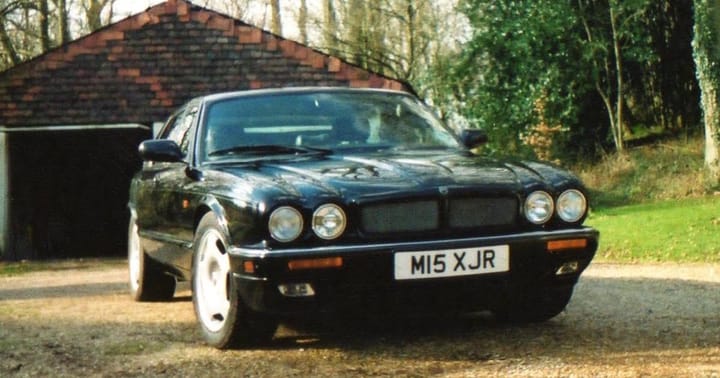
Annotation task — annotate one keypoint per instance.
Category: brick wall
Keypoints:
(139, 69)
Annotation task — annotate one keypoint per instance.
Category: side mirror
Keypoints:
(160, 150)
(473, 138)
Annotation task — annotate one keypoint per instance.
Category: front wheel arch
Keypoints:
(210, 204)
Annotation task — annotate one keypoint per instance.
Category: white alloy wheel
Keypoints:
(225, 320)
(212, 275)
(147, 279)
(134, 255)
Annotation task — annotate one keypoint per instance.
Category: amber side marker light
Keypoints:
(248, 266)
(561, 245)
(320, 263)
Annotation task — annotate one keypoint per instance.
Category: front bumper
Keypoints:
(366, 278)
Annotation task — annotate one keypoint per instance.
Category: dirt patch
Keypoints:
(624, 320)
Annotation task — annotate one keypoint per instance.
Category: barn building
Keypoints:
(71, 119)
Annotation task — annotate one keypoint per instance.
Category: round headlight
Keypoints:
(539, 207)
(571, 205)
(329, 221)
(285, 224)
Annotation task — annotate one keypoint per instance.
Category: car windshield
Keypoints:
(309, 122)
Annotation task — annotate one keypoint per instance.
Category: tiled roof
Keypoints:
(139, 69)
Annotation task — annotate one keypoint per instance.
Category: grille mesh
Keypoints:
(425, 215)
(401, 217)
(482, 212)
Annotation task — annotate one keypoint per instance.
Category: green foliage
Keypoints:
(520, 52)
(663, 88)
(554, 64)
(678, 230)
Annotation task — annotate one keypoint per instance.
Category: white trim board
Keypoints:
(5, 129)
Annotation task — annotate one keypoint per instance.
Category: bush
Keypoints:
(661, 171)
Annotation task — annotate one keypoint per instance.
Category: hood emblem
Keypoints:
(443, 190)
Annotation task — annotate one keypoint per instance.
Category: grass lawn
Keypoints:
(677, 230)
(22, 267)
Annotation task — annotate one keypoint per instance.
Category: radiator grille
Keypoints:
(401, 217)
(418, 216)
(482, 212)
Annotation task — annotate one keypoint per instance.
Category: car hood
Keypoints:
(365, 176)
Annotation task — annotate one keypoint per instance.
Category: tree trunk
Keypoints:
(614, 112)
(44, 25)
(712, 128)
(93, 13)
(63, 29)
(618, 124)
(330, 32)
(7, 45)
(276, 21)
(412, 31)
(356, 14)
(707, 53)
(376, 48)
(303, 21)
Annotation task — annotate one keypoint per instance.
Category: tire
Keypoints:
(535, 306)
(224, 320)
(147, 281)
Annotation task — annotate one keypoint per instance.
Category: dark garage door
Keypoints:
(69, 191)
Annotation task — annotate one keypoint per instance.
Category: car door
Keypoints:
(162, 205)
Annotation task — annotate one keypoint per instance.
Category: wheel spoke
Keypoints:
(213, 270)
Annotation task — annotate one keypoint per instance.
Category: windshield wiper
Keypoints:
(274, 149)
(313, 149)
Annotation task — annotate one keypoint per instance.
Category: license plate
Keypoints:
(452, 262)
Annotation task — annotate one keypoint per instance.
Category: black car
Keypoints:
(289, 202)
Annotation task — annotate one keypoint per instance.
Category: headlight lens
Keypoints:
(539, 207)
(329, 221)
(285, 224)
(571, 205)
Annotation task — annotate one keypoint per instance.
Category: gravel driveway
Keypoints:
(624, 320)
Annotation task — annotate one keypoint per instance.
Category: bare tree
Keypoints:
(329, 26)
(44, 17)
(394, 37)
(94, 13)
(236, 8)
(303, 22)
(276, 19)
(10, 54)
(20, 31)
(63, 21)
(32, 27)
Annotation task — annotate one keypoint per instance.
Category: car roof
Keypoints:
(295, 90)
